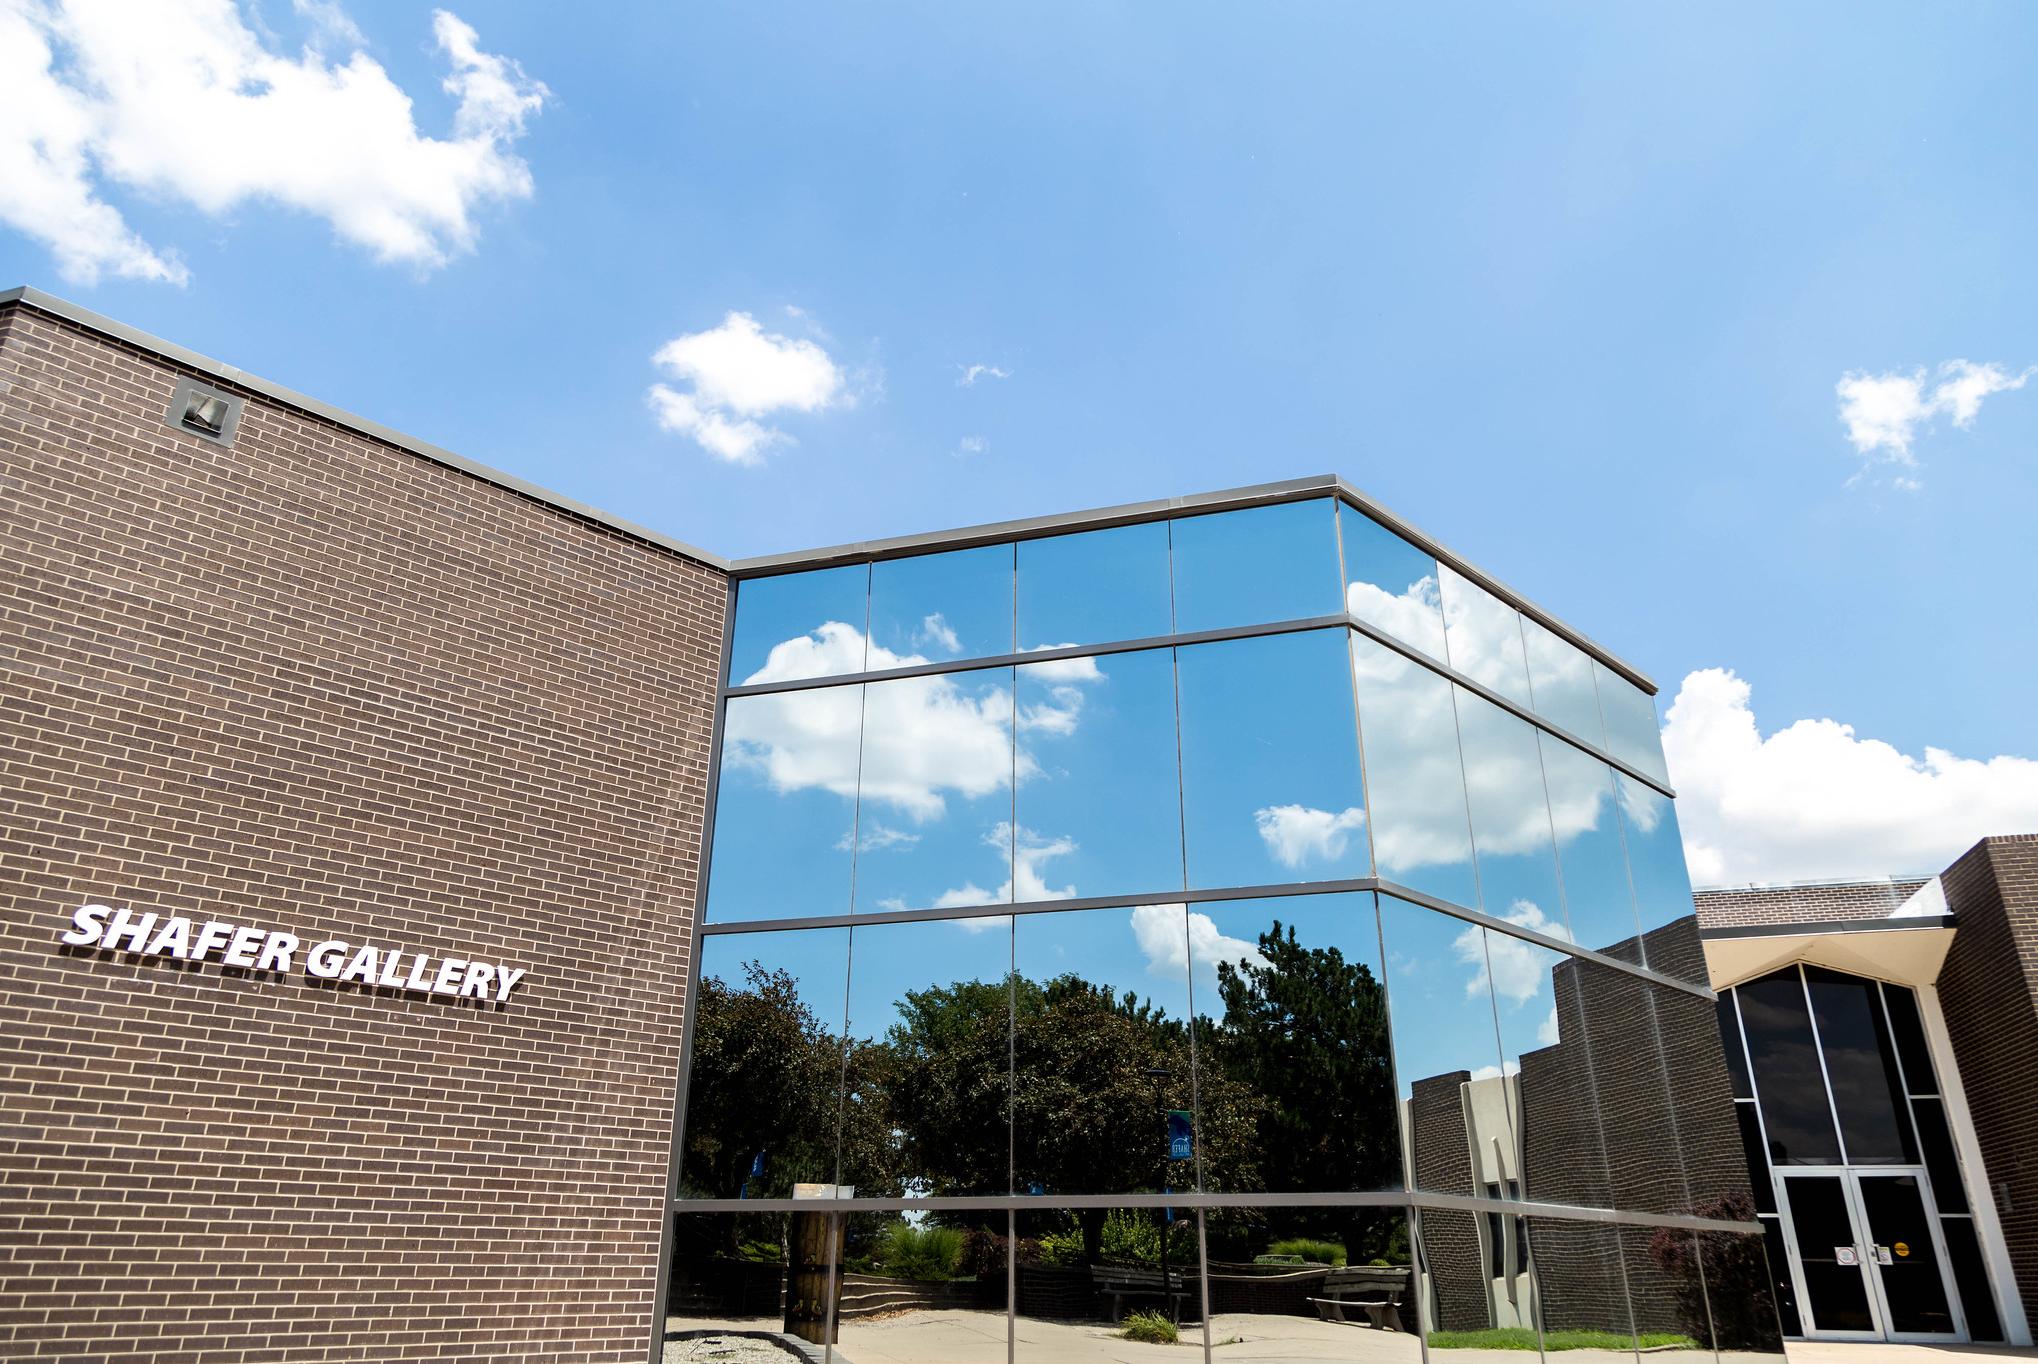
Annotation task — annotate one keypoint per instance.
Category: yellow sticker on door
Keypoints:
(1902, 1248)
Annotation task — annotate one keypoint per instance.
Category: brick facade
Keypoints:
(1750, 906)
(315, 683)
(1988, 990)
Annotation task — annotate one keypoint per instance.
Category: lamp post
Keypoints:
(1159, 1075)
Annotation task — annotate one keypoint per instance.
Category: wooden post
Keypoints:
(812, 1257)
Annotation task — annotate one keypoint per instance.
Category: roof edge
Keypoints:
(64, 310)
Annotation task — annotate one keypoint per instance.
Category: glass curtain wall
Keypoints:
(1197, 924)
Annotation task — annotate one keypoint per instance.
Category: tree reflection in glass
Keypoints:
(929, 1069)
(1270, 764)
(763, 1095)
(1415, 781)
(1101, 1052)
(1290, 1006)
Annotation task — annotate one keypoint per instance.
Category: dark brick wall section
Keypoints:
(1988, 990)
(1740, 906)
(315, 684)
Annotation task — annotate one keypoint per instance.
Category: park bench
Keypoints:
(1117, 1284)
(1375, 1290)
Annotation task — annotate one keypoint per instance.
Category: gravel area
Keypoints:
(725, 1347)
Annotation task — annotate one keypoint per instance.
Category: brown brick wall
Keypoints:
(1988, 990)
(1745, 906)
(313, 683)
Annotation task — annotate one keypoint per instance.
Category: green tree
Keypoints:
(1306, 1030)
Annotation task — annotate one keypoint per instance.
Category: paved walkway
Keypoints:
(1836, 1352)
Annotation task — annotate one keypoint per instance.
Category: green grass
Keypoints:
(1310, 1249)
(1151, 1327)
(1522, 1338)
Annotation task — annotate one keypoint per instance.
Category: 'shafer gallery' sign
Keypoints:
(257, 949)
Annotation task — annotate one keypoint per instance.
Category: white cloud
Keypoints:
(1882, 412)
(1027, 884)
(1547, 1032)
(739, 373)
(922, 738)
(181, 101)
(876, 837)
(1515, 967)
(1062, 711)
(1168, 947)
(971, 445)
(972, 373)
(936, 630)
(1298, 834)
(1815, 800)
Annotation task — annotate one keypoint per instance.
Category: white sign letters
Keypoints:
(257, 949)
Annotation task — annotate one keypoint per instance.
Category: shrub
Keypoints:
(1309, 1248)
(926, 1253)
(1151, 1327)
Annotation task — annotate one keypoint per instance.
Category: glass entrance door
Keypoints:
(1867, 1257)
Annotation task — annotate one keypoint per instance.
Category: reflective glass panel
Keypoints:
(1102, 1052)
(799, 625)
(929, 1073)
(1909, 1031)
(1292, 1283)
(934, 809)
(786, 805)
(1081, 1272)
(1270, 764)
(1476, 1283)
(918, 1288)
(1702, 1096)
(1578, 1282)
(1776, 1249)
(1730, 1045)
(1415, 781)
(1296, 1073)
(727, 1279)
(1446, 1052)
(1970, 1276)
(765, 1079)
(1630, 715)
(1597, 901)
(1656, 867)
(1256, 565)
(1788, 1082)
(1560, 682)
(1760, 1179)
(1100, 802)
(934, 607)
(1935, 1139)
(1740, 1297)
(1484, 635)
(1861, 1068)
(1510, 817)
(1913, 1285)
(1092, 588)
(1391, 584)
(1556, 1156)
(1666, 1290)
(1635, 1118)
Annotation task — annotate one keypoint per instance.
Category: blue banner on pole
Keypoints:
(1181, 1136)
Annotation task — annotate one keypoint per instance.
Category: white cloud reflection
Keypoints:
(1299, 834)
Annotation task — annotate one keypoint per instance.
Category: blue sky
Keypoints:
(1570, 288)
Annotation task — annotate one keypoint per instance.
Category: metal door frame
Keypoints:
(1850, 1177)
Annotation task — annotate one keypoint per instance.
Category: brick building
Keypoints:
(439, 920)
